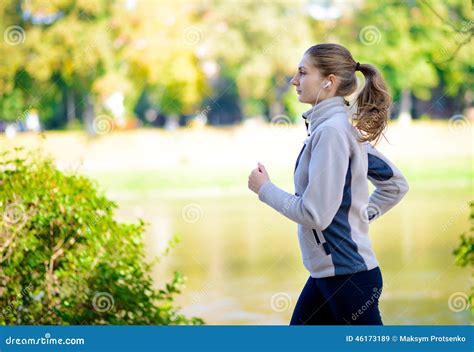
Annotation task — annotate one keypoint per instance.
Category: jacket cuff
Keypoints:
(264, 189)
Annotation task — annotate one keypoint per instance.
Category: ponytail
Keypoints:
(373, 104)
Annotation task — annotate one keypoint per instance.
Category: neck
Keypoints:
(320, 101)
(324, 109)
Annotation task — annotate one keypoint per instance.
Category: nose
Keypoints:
(294, 81)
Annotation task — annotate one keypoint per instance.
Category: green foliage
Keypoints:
(92, 49)
(9, 104)
(465, 251)
(416, 44)
(65, 260)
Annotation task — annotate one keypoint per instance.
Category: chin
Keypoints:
(302, 100)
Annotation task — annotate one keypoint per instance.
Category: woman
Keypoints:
(332, 205)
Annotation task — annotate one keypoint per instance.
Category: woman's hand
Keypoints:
(258, 177)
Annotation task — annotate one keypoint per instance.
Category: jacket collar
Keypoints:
(324, 110)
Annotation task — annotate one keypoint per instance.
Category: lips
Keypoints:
(298, 91)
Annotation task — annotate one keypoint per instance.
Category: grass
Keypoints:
(428, 153)
(453, 172)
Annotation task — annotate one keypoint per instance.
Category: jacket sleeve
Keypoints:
(328, 166)
(390, 185)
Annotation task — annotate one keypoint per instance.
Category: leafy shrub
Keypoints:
(65, 260)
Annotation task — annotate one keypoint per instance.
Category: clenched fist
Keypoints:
(258, 177)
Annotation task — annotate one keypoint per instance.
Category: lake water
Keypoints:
(243, 263)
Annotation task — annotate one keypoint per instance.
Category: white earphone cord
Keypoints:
(317, 97)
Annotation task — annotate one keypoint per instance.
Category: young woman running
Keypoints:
(331, 204)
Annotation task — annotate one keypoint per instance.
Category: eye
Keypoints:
(302, 73)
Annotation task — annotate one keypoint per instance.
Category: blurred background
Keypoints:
(168, 105)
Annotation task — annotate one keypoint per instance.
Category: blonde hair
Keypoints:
(373, 102)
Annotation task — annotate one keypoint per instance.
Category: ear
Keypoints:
(333, 79)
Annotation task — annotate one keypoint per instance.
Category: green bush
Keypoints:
(465, 252)
(65, 260)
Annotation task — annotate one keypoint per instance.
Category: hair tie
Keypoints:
(357, 66)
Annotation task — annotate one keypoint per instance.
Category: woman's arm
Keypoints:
(390, 185)
(319, 203)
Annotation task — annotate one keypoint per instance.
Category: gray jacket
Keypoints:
(331, 205)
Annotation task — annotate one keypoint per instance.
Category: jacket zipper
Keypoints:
(316, 236)
(299, 156)
(325, 244)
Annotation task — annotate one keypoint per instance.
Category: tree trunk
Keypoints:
(70, 107)
(404, 117)
(276, 104)
(468, 110)
(89, 115)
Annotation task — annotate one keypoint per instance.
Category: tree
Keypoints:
(160, 54)
(260, 44)
(406, 40)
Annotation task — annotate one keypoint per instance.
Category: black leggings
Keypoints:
(339, 300)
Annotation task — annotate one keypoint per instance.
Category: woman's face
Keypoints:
(309, 83)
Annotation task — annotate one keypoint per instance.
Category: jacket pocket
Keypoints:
(317, 234)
